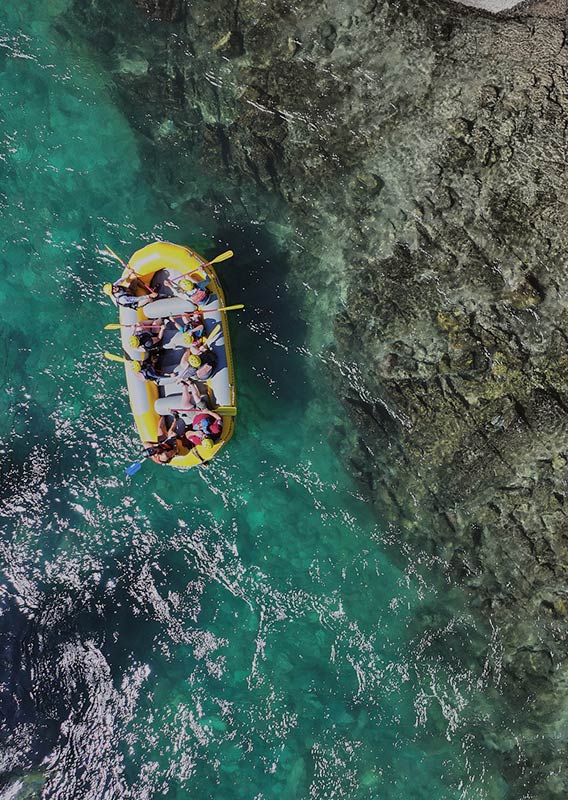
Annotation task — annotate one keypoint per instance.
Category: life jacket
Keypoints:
(147, 341)
(125, 298)
(197, 294)
(149, 373)
(166, 446)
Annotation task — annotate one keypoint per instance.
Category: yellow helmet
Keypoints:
(134, 341)
(136, 366)
(188, 338)
(194, 361)
(107, 289)
(186, 285)
(207, 444)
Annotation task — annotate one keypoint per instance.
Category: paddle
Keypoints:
(213, 310)
(213, 334)
(114, 326)
(130, 270)
(113, 357)
(223, 257)
(224, 411)
(133, 468)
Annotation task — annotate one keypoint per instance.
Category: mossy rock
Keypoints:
(499, 367)
(452, 320)
(526, 295)
(464, 362)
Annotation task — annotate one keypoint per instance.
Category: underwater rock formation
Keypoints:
(422, 149)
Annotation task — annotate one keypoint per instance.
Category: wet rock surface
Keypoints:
(423, 152)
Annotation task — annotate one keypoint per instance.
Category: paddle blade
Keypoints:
(114, 255)
(132, 469)
(226, 411)
(113, 357)
(223, 257)
(113, 326)
(224, 308)
(213, 334)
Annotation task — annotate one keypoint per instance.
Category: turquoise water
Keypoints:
(247, 631)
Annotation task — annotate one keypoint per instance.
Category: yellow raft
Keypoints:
(154, 263)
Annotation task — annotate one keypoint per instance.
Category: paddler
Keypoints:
(123, 294)
(143, 339)
(205, 428)
(196, 367)
(162, 451)
(192, 399)
(188, 289)
(148, 372)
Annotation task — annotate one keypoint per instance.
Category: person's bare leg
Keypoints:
(187, 397)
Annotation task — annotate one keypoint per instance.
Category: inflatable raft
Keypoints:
(155, 263)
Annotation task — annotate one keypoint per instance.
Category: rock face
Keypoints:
(423, 152)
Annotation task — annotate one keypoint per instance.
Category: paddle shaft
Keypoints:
(222, 257)
(227, 411)
(114, 326)
(208, 310)
(129, 268)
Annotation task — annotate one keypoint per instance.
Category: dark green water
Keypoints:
(248, 631)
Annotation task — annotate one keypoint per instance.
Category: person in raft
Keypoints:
(162, 451)
(195, 367)
(123, 294)
(188, 289)
(192, 399)
(146, 340)
(189, 333)
(190, 323)
(195, 344)
(148, 372)
(206, 426)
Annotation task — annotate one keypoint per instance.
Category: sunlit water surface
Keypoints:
(246, 631)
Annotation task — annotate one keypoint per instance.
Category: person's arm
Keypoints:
(195, 392)
(172, 430)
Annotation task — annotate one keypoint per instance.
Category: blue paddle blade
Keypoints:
(133, 468)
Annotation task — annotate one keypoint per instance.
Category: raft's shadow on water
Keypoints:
(267, 333)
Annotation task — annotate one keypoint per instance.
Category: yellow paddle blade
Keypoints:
(226, 411)
(114, 255)
(113, 357)
(112, 326)
(223, 257)
(224, 308)
(213, 333)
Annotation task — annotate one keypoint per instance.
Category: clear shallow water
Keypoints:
(246, 631)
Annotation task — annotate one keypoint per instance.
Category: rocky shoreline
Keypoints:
(422, 150)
